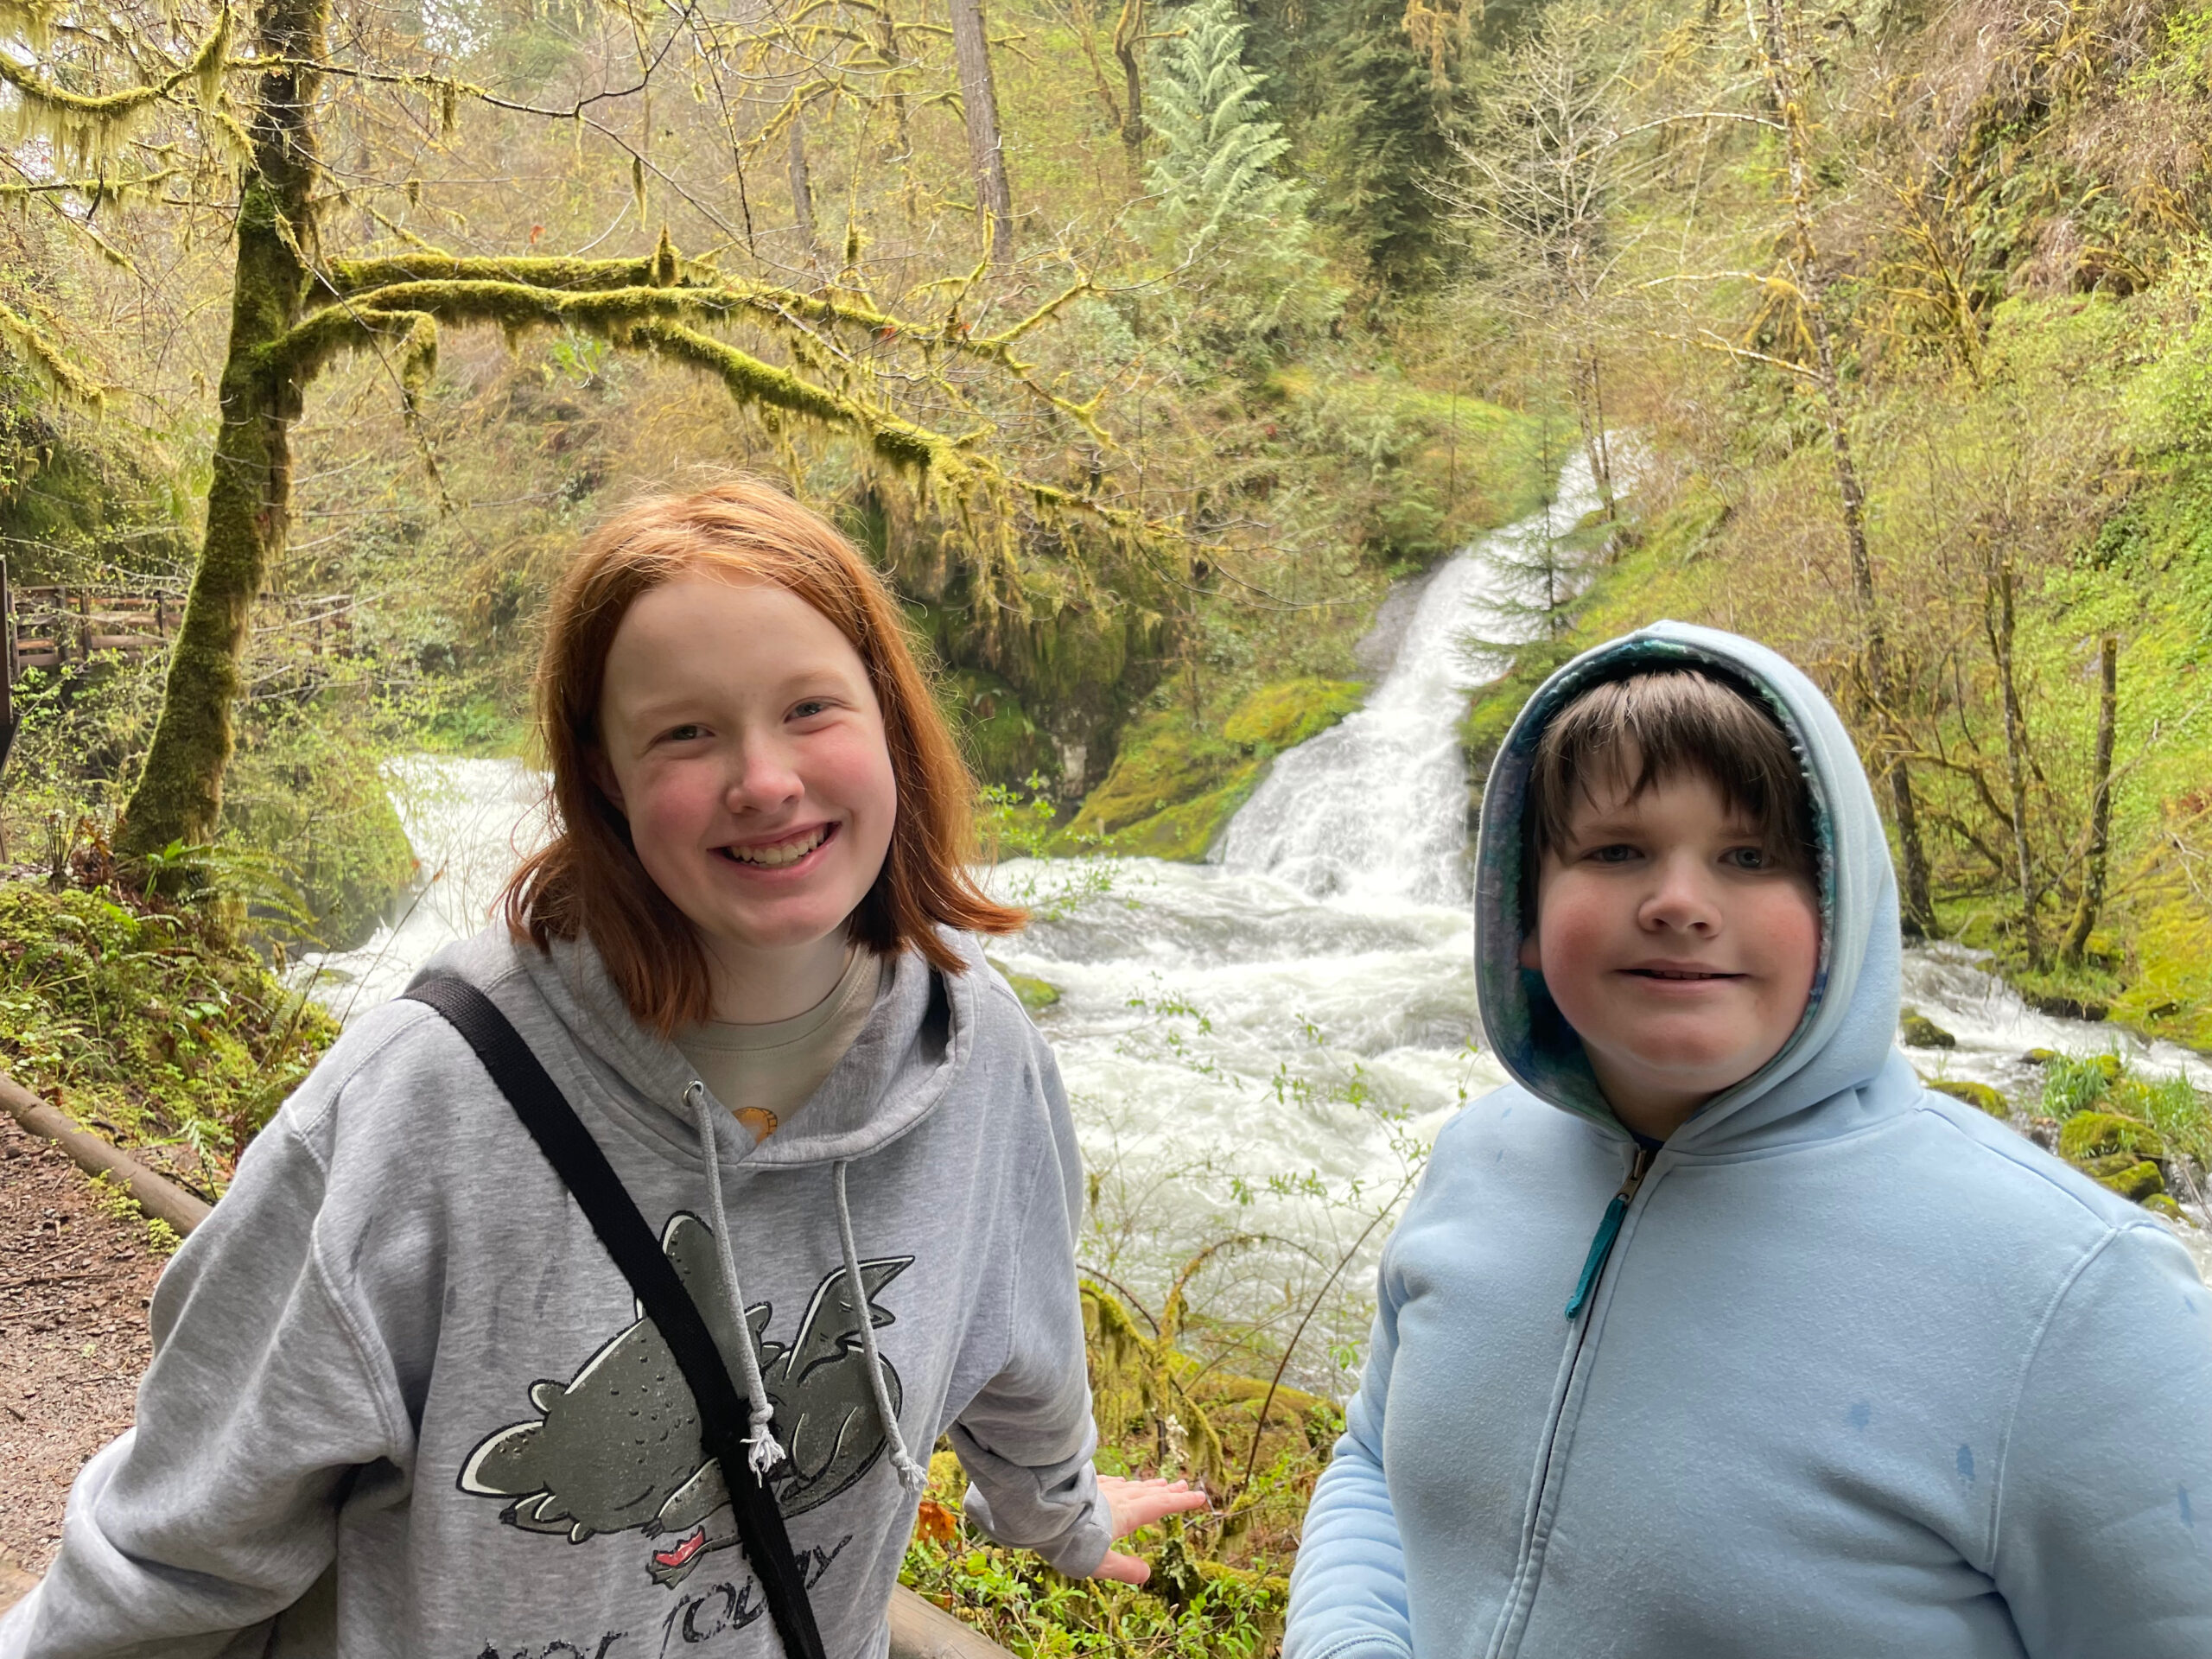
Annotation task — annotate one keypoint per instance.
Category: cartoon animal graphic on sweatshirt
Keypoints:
(617, 1447)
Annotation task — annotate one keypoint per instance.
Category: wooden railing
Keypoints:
(52, 628)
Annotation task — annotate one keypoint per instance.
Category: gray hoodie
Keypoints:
(402, 1402)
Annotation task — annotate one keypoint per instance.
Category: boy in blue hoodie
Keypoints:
(1714, 1334)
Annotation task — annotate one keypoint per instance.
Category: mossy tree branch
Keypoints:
(85, 126)
(179, 793)
(295, 313)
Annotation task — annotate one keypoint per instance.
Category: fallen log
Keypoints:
(158, 1197)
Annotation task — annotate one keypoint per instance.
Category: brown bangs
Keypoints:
(587, 880)
(1666, 722)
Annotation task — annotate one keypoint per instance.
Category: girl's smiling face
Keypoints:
(741, 738)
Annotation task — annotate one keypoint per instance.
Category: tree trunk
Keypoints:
(1918, 902)
(1128, 38)
(1997, 611)
(886, 39)
(1590, 416)
(971, 52)
(2093, 880)
(179, 795)
(809, 240)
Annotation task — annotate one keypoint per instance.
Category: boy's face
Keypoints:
(1679, 953)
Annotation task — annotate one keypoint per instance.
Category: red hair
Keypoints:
(588, 880)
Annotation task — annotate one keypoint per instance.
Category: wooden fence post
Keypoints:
(7, 669)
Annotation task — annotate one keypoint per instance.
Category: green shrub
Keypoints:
(150, 1025)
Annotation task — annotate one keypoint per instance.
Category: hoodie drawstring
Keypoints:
(762, 1451)
(911, 1474)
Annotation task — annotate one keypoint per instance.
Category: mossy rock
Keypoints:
(1037, 994)
(1979, 1095)
(1163, 762)
(2164, 1204)
(2109, 1165)
(319, 806)
(1004, 744)
(2135, 1183)
(2040, 1056)
(1173, 785)
(2094, 1135)
(1283, 716)
(1920, 1031)
(1186, 832)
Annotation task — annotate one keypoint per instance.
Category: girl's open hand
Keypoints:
(1139, 1504)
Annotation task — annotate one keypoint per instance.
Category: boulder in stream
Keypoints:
(1980, 1095)
(2136, 1182)
(2087, 1136)
(1920, 1031)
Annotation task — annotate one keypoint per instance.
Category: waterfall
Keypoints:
(1213, 1018)
(1374, 809)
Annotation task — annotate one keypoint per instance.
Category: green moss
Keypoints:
(1036, 995)
(2135, 1183)
(1283, 716)
(312, 798)
(90, 494)
(2091, 1134)
(1977, 1095)
(1004, 745)
(1174, 785)
(1920, 1031)
(1165, 761)
(1186, 832)
(2164, 1204)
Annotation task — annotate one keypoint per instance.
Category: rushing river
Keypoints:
(1256, 1044)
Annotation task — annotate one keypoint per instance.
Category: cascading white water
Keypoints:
(1250, 1044)
(469, 821)
(1374, 809)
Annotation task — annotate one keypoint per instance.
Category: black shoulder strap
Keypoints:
(576, 1158)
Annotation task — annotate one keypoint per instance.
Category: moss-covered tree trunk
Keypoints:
(179, 792)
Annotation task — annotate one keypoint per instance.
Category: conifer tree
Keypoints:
(1385, 115)
(1217, 169)
(1237, 224)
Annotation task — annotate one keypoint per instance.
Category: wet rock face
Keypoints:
(1920, 1031)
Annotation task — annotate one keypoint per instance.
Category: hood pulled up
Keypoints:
(1845, 1039)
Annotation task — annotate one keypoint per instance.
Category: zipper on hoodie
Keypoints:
(1594, 1268)
(1609, 1228)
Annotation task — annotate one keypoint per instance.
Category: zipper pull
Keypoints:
(1609, 1228)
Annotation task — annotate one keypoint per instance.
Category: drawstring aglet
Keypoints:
(911, 1474)
(762, 1453)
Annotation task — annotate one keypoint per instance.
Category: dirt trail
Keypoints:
(73, 1286)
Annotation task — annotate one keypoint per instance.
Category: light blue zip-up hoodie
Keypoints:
(1866, 1372)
